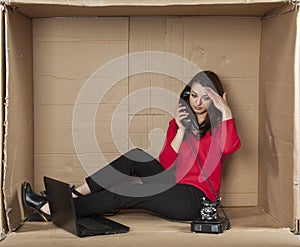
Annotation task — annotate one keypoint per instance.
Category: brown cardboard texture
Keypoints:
(49, 8)
(276, 142)
(18, 142)
(252, 227)
(51, 49)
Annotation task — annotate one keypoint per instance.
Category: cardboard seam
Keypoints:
(273, 217)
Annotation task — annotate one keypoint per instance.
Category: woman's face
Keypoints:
(199, 100)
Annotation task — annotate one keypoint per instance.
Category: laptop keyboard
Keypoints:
(92, 224)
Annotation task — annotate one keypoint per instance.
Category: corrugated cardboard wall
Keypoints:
(18, 159)
(198, 40)
(68, 50)
(276, 117)
(66, 53)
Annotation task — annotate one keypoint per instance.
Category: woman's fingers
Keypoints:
(219, 102)
(180, 114)
(181, 108)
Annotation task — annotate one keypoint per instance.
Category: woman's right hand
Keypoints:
(180, 114)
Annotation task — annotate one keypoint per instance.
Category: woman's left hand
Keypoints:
(220, 102)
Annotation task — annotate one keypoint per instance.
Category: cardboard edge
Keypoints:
(3, 221)
(5, 115)
(12, 184)
(207, 8)
(90, 3)
(296, 229)
(291, 6)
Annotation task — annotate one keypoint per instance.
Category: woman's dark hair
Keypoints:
(206, 79)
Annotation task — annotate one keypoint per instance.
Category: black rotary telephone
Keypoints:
(209, 221)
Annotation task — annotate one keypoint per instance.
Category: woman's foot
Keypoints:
(35, 202)
(83, 189)
(46, 208)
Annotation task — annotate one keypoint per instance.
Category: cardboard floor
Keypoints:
(251, 227)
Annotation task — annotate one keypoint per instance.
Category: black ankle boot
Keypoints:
(34, 201)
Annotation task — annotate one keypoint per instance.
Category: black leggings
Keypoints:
(157, 192)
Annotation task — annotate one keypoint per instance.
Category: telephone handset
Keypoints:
(189, 122)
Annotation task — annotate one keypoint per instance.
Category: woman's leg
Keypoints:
(180, 202)
(135, 163)
(84, 189)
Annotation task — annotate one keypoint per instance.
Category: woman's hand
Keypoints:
(220, 103)
(180, 114)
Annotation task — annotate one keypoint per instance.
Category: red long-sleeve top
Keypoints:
(212, 150)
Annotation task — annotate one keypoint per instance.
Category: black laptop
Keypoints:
(64, 216)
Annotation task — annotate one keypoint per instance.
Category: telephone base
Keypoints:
(213, 226)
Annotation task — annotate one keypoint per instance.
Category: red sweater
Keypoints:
(212, 151)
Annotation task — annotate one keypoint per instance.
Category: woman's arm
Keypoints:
(180, 115)
(168, 155)
(227, 133)
(228, 137)
(176, 143)
(174, 138)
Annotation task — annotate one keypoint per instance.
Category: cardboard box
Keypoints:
(49, 49)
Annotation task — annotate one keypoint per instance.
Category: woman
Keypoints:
(197, 150)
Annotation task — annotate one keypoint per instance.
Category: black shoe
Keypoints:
(34, 201)
(35, 217)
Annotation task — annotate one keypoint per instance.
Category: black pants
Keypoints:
(157, 192)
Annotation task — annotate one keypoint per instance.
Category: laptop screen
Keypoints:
(61, 205)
